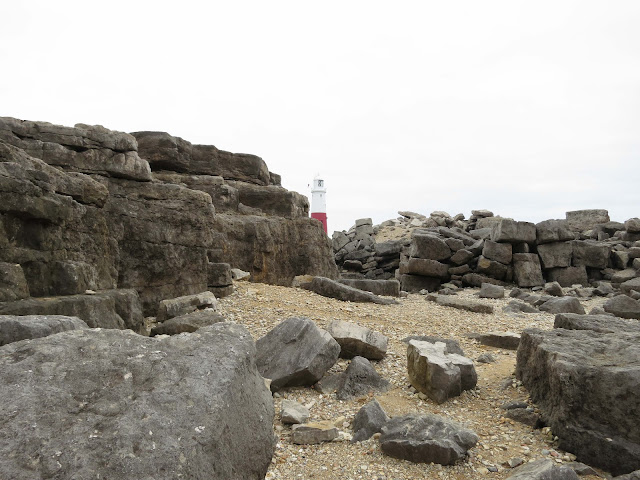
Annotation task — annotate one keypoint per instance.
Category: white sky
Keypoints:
(525, 108)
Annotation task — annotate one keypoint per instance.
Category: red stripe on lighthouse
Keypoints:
(322, 217)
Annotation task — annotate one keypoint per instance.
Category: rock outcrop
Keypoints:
(113, 404)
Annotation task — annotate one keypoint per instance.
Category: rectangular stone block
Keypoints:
(513, 232)
(527, 270)
(557, 254)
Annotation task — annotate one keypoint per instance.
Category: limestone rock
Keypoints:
(425, 267)
(550, 231)
(296, 352)
(437, 373)
(460, 303)
(590, 254)
(491, 268)
(333, 289)
(453, 346)
(513, 232)
(562, 305)
(113, 404)
(557, 254)
(187, 323)
(569, 276)
(313, 433)
(500, 252)
(359, 379)
(590, 403)
(488, 290)
(553, 288)
(581, 220)
(630, 285)
(355, 340)
(516, 306)
(175, 307)
(506, 340)
(429, 247)
(416, 283)
(623, 306)
(632, 225)
(293, 412)
(369, 420)
(15, 328)
(597, 323)
(543, 469)
(387, 288)
(219, 275)
(425, 439)
(527, 270)
(13, 285)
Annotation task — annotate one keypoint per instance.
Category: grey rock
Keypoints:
(388, 248)
(604, 373)
(187, 323)
(461, 270)
(369, 420)
(296, 352)
(360, 379)
(604, 288)
(488, 290)
(453, 346)
(113, 404)
(437, 373)
(624, 276)
(271, 199)
(339, 240)
(426, 439)
(461, 257)
(597, 323)
(632, 225)
(554, 289)
(175, 307)
(15, 328)
(629, 476)
(387, 288)
(562, 305)
(568, 276)
(13, 284)
(514, 404)
(543, 469)
(583, 469)
(486, 358)
(582, 220)
(293, 412)
(476, 280)
(500, 252)
(510, 231)
(557, 254)
(527, 270)
(329, 383)
(424, 267)
(460, 303)
(429, 247)
(219, 275)
(491, 268)
(333, 289)
(313, 433)
(524, 416)
(630, 285)
(550, 231)
(589, 253)
(505, 340)
(415, 283)
(620, 259)
(355, 340)
(454, 244)
(623, 306)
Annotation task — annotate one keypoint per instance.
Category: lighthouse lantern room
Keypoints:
(319, 201)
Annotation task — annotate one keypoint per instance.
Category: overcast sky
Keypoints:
(529, 109)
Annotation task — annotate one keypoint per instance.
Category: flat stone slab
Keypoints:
(426, 439)
(15, 328)
(175, 307)
(369, 420)
(187, 323)
(623, 306)
(459, 303)
(387, 288)
(505, 340)
(293, 412)
(543, 469)
(314, 433)
(562, 305)
(597, 323)
(333, 289)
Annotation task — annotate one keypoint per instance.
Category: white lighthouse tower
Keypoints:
(319, 201)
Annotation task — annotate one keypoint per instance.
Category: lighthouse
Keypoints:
(319, 201)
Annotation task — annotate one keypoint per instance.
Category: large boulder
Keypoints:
(585, 384)
(550, 231)
(543, 469)
(429, 247)
(187, 323)
(590, 254)
(296, 352)
(369, 420)
(425, 439)
(555, 255)
(175, 307)
(623, 306)
(581, 220)
(596, 323)
(491, 268)
(500, 252)
(388, 288)
(13, 285)
(15, 328)
(113, 404)
(562, 305)
(437, 373)
(425, 267)
(630, 285)
(416, 283)
(355, 340)
(360, 379)
(510, 231)
(568, 276)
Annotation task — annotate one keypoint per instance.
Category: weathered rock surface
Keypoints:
(295, 353)
(187, 323)
(333, 289)
(562, 305)
(527, 270)
(543, 469)
(510, 231)
(387, 288)
(175, 307)
(630, 285)
(460, 303)
(360, 379)
(500, 252)
(429, 247)
(426, 438)
(549, 231)
(585, 384)
(568, 276)
(506, 340)
(597, 323)
(369, 420)
(15, 328)
(355, 340)
(487, 290)
(582, 220)
(556, 255)
(313, 433)
(293, 412)
(13, 285)
(623, 306)
(118, 405)
(437, 373)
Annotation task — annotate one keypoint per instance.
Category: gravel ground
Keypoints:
(261, 307)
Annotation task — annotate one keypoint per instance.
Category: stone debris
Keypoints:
(623, 306)
(355, 340)
(176, 307)
(293, 412)
(313, 433)
(360, 379)
(506, 340)
(426, 439)
(369, 420)
(296, 352)
(333, 289)
(187, 323)
(437, 373)
(461, 304)
(543, 469)
(562, 305)
(487, 290)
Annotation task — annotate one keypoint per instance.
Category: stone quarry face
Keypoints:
(118, 405)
